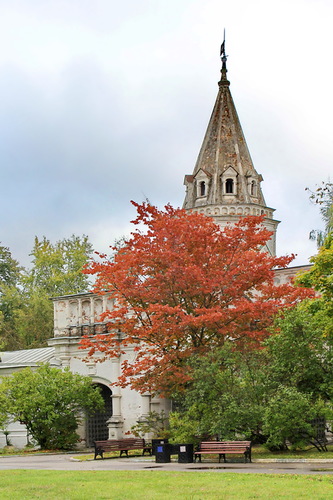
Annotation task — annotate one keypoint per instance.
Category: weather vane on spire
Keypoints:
(223, 56)
(222, 53)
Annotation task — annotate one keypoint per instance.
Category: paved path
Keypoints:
(68, 462)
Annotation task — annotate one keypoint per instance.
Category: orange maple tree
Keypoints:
(183, 286)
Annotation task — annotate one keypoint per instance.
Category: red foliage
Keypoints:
(184, 286)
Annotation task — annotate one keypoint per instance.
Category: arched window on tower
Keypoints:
(202, 188)
(253, 188)
(229, 186)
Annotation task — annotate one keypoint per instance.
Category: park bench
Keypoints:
(222, 448)
(121, 445)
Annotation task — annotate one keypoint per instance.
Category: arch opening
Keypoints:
(229, 186)
(202, 188)
(97, 428)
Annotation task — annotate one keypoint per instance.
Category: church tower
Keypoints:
(224, 183)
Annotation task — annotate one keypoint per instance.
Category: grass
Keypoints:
(155, 485)
(311, 452)
(11, 450)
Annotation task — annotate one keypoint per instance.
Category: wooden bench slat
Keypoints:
(222, 448)
(121, 445)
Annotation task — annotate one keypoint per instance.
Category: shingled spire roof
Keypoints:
(224, 183)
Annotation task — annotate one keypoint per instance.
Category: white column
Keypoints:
(92, 310)
(116, 422)
(104, 303)
(145, 405)
(79, 312)
(55, 318)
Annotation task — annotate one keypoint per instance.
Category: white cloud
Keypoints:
(104, 102)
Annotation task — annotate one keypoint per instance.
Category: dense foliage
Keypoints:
(26, 312)
(271, 395)
(323, 196)
(184, 287)
(320, 276)
(49, 402)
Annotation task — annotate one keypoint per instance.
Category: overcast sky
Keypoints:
(104, 101)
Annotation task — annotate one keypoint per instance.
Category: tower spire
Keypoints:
(224, 183)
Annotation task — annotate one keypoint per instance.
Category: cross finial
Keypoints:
(224, 60)
(222, 53)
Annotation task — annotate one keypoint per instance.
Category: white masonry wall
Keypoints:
(78, 315)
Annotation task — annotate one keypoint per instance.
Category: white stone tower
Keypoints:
(224, 183)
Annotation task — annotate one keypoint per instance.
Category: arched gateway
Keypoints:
(97, 424)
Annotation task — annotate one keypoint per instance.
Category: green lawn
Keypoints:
(155, 485)
(262, 452)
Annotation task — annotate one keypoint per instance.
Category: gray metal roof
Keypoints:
(27, 357)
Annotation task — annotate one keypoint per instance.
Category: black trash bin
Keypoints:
(185, 453)
(155, 442)
(162, 453)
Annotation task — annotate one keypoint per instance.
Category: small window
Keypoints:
(229, 186)
(202, 189)
(253, 189)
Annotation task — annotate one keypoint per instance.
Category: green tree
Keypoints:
(226, 396)
(57, 268)
(301, 354)
(323, 196)
(155, 422)
(3, 412)
(234, 393)
(50, 403)
(34, 320)
(10, 298)
(12, 303)
(26, 312)
(288, 418)
(320, 276)
(9, 268)
(301, 369)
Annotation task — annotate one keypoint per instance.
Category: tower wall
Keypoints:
(224, 184)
